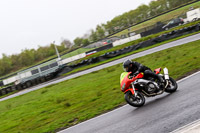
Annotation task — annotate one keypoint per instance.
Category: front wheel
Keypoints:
(172, 87)
(137, 101)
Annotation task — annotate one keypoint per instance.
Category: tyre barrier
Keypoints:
(150, 42)
(19, 87)
(68, 68)
(93, 60)
(27, 84)
(3, 92)
(8, 89)
(13, 88)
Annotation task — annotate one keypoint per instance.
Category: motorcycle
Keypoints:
(137, 88)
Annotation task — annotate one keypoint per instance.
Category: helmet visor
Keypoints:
(126, 69)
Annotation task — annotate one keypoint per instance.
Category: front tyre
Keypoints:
(137, 101)
(172, 87)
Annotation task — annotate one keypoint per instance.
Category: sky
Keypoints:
(26, 24)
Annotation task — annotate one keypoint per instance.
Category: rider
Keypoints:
(136, 68)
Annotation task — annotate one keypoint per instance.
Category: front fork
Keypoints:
(167, 83)
(135, 93)
(166, 76)
(132, 90)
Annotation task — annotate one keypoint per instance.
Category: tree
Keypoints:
(85, 42)
(15, 62)
(143, 10)
(100, 32)
(2, 68)
(109, 27)
(78, 41)
(51, 50)
(154, 8)
(6, 64)
(66, 43)
(93, 36)
(27, 57)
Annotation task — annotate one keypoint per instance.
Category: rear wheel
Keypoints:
(172, 87)
(137, 101)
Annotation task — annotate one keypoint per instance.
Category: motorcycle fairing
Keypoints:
(158, 70)
(126, 82)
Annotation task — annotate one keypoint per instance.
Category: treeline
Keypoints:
(132, 17)
(29, 57)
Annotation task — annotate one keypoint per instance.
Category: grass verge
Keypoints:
(137, 41)
(127, 54)
(76, 52)
(165, 17)
(76, 100)
(115, 58)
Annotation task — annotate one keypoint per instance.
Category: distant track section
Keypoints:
(140, 54)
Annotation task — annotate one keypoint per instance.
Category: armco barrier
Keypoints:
(123, 41)
(108, 46)
(9, 80)
(164, 37)
(30, 81)
(112, 34)
(103, 57)
(126, 28)
(73, 58)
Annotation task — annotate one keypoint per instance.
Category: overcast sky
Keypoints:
(30, 23)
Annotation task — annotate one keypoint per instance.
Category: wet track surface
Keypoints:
(146, 52)
(160, 114)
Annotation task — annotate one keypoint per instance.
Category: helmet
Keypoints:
(127, 65)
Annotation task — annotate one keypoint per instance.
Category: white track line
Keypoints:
(188, 77)
(188, 127)
(63, 131)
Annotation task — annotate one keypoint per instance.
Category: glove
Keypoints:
(136, 73)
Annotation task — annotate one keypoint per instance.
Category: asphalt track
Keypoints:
(161, 114)
(146, 52)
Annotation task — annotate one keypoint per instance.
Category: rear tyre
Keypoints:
(172, 87)
(135, 101)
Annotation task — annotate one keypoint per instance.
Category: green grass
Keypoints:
(76, 100)
(115, 58)
(124, 55)
(136, 41)
(76, 52)
(162, 18)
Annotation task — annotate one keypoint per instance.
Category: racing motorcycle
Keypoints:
(137, 88)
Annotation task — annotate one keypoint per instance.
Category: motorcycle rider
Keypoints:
(136, 68)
